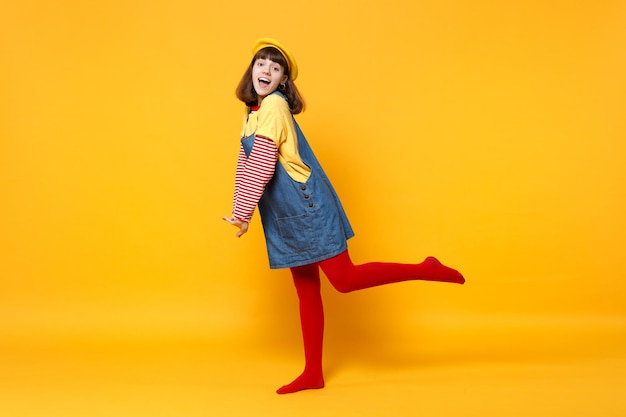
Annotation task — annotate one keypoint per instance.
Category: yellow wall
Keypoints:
(490, 134)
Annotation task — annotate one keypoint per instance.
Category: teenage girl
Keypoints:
(304, 223)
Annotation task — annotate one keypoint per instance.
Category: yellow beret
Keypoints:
(291, 60)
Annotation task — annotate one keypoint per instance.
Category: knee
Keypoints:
(340, 272)
(340, 285)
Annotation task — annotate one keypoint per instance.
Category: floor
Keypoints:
(227, 376)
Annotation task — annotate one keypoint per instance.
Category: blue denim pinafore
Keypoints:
(303, 222)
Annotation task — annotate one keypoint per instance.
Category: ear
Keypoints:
(284, 80)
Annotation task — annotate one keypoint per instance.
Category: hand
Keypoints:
(243, 226)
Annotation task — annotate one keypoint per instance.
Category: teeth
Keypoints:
(264, 80)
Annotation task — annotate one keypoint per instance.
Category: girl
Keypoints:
(304, 223)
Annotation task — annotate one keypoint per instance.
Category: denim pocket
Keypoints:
(296, 232)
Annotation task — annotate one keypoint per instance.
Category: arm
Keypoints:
(241, 161)
(253, 174)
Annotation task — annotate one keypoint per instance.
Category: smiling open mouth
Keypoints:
(264, 82)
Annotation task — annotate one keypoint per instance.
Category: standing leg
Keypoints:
(346, 277)
(307, 281)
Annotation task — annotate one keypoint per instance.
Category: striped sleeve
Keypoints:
(253, 173)
(241, 160)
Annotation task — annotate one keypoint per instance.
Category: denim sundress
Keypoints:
(305, 222)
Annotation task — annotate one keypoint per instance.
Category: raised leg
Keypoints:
(347, 277)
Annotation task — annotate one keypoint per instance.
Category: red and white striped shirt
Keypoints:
(252, 175)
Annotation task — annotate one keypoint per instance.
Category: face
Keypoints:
(267, 75)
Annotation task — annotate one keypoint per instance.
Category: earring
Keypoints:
(282, 86)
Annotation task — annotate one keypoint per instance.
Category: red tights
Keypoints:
(347, 277)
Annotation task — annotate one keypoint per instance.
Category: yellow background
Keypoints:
(490, 134)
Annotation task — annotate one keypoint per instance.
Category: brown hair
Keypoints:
(245, 90)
